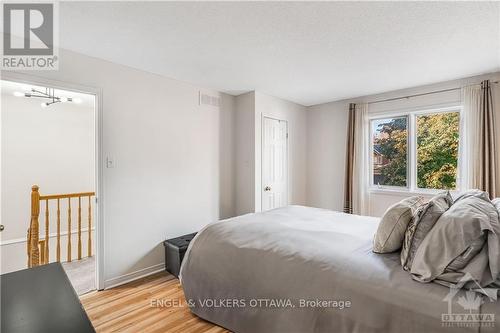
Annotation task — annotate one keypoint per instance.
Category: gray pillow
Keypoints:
(423, 221)
(392, 227)
(496, 202)
(465, 257)
(457, 234)
(473, 193)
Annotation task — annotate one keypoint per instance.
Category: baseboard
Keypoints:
(122, 279)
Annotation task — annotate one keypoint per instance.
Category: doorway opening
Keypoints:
(274, 163)
(49, 180)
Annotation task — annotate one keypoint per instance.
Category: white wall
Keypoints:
(51, 147)
(327, 131)
(250, 109)
(227, 152)
(167, 176)
(245, 153)
(326, 149)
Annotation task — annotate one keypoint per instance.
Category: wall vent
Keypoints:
(209, 100)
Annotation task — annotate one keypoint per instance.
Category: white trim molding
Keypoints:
(99, 169)
(42, 236)
(125, 278)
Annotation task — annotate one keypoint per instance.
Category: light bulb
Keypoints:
(18, 94)
(44, 104)
(77, 100)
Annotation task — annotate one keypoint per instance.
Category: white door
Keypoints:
(274, 164)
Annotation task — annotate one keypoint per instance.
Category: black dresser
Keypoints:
(41, 300)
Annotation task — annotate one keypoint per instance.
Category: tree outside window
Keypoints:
(435, 143)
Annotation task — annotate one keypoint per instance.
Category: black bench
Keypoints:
(175, 249)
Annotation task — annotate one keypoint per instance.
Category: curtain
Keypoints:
(361, 167)
(469, 125)
(349, 170)
(487, 136)
(357, 161)
(479, 149)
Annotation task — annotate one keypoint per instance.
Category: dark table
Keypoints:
(41, 300)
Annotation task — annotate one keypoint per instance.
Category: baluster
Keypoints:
(34, 228)
(42, 251)
(89, 246)
(58, 231)
(79, 228)
(28, 247)
(46, 231)
(69, 229)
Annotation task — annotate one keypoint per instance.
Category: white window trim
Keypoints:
(411, 170)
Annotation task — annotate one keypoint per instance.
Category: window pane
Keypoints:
(437, 150)
(390, 151)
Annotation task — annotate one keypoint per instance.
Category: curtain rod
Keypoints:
(424, 94)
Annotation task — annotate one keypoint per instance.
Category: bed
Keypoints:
(302, 269)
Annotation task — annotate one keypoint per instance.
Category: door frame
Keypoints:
(287, 191)
(98, 150)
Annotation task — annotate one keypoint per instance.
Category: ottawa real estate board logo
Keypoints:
(30, 36)
(469, 312)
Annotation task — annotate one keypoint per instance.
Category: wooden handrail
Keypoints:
(38, 250)
(67, 195)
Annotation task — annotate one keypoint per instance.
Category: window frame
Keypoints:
(412, 162)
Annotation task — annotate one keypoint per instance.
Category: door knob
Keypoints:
(1, 227)
(267, 188)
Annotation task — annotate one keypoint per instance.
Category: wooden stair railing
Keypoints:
(38, 250)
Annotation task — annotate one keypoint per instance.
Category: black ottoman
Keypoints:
(175, 249)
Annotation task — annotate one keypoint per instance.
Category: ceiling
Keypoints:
(309, 53)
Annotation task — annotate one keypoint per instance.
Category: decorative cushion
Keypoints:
(392, 227)
(458, 234)
(477, 244)
(496, 202)
(419, 226)
(473, 193)
(463, 259)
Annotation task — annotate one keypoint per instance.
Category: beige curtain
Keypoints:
(357, 167)
(361, 166)
(348, 187)
(486, 178)
(479, 137)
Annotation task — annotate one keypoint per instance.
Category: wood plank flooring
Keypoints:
(152, 304)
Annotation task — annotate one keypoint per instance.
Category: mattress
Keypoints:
(302, 269)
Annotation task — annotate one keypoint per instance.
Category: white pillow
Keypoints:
(392, 227)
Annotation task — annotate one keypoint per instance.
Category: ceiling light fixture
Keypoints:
(49, 93)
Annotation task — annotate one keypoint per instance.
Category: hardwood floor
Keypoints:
(152, 304)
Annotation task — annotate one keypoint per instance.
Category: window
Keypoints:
(437, 150)
(390, 151)
(416, 151)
